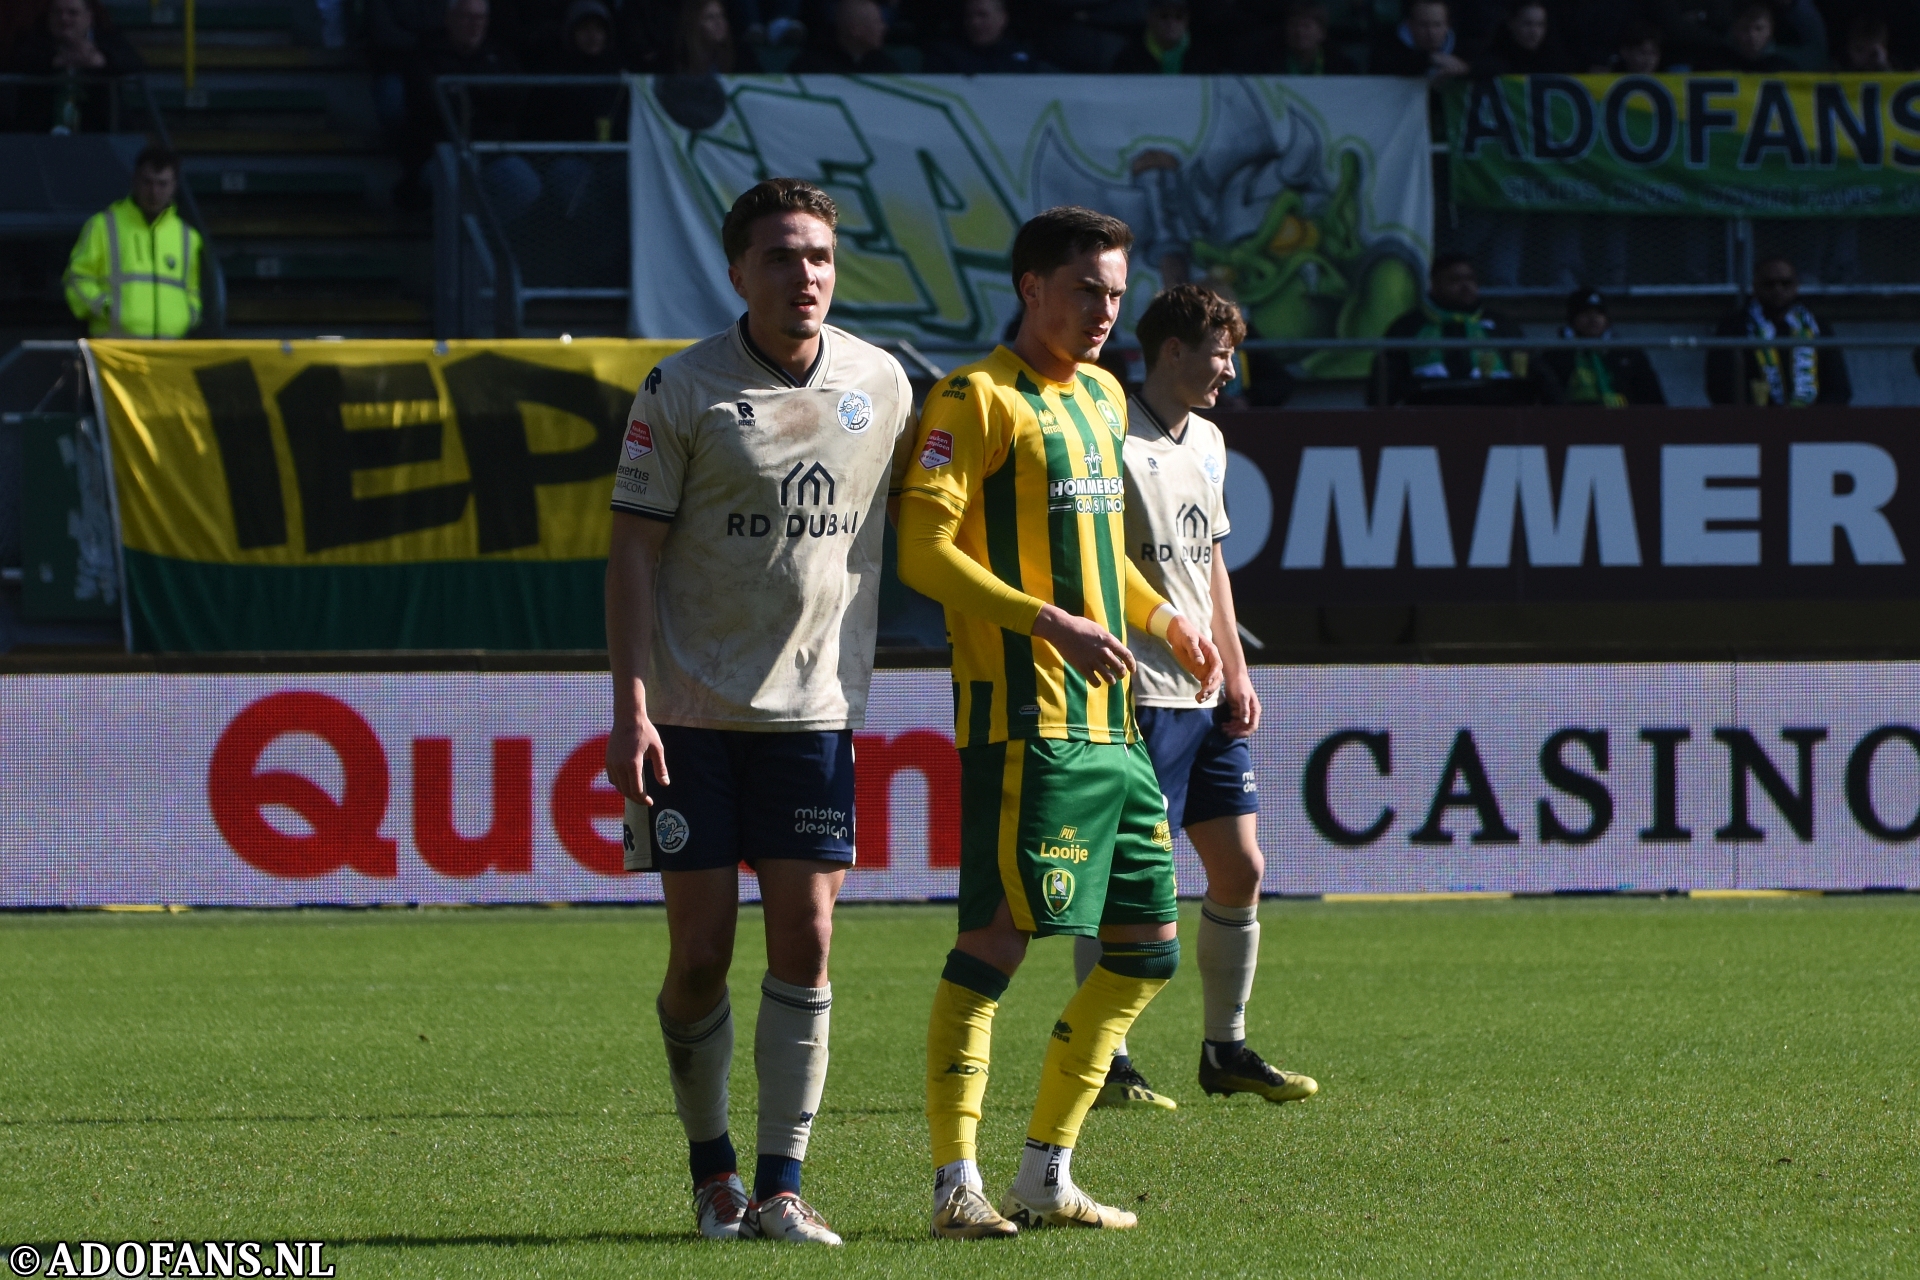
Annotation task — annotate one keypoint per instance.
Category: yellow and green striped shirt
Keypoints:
(1033, 470)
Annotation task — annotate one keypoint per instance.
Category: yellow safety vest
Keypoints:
(130, 278)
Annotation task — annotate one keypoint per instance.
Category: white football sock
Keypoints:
(958, 1173)
(1086, 954)
(1045, 1178)
(699, 1056)
(790, 1056)
(1229, 951)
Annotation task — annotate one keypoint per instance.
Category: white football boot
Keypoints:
(786, 1217)
(1076, 1209)
(719, 1203)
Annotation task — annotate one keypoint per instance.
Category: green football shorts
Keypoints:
(1073, 835)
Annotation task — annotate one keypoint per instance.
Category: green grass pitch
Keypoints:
(1525, 1088)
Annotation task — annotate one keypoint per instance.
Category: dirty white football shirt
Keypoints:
(1176, 517)
(767, 598)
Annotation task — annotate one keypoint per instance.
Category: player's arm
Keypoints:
(1243, 704)
(632, 562)
(1152, 613)
(931, 564)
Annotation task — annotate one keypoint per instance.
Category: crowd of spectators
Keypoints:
(1500, 370)
(1440, 38)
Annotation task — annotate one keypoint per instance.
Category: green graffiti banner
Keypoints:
(1308, 200)
(1788, 146)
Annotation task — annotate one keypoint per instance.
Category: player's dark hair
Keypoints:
(1188, 312)
(769, 199)
(1442, 261)
(1057, 236)
(157, 158)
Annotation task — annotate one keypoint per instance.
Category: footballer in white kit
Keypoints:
(742, 603)
(1176, 517)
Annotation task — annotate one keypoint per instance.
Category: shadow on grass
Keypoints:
(17, 1122)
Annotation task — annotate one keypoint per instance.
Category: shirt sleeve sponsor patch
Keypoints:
(639, 439)
(938, 451)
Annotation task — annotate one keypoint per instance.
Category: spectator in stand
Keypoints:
(1423, 44)
(135, 271)
(703, 44)
(1866, 48)
(1790, 377)
(1641, 51)
(1481, 375)
(1299, 48)
(70, 41)
(1525, 45)
(1165, 45)
(464, 46)
(1750, 46)
(585, 47)
(858, 47)
(1613, 378)
(771, 22)
(985, 47)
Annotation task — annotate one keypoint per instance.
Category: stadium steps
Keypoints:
(291, 170)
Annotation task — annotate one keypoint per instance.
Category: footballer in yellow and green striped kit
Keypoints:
(1012, 515)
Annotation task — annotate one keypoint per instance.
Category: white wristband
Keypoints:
(1160, 620)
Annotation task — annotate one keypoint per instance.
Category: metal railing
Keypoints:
(484, 270)
(213, 278)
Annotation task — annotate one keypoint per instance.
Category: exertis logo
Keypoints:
(1066, 848)
(1057, 888)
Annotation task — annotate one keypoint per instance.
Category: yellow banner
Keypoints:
(368, 452)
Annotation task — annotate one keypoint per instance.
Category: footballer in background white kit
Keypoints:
(743, 591)
(1176, 517)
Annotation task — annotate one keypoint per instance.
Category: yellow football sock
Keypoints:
(959, 1043)
(1090, 1027)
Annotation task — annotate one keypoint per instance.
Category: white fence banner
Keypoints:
(447, 788)
(1310, 200)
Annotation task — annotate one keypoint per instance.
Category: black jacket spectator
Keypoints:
(464, 47)
(984, 45)
(1623, 371)
(1526, 45)
(70, 40)
(1166, 46)
(1298, 47)
(1424, 43)
(585, 48)
(1777, 375)
(855, 46)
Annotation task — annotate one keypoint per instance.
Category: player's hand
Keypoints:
(1243, 706)
(1084, 645)
(1196, 655)
(630, 747)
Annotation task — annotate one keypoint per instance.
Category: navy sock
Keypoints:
(1221, 1052)
(1121, 1062)
(711, 1157)
(774, 1174)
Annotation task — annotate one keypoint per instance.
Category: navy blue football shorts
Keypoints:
(740, 797)
(1203, 773)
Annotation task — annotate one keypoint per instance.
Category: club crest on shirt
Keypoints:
(1211, 465)
(938, 451)
(639, 439)
(856, 411)
(1113, 419)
